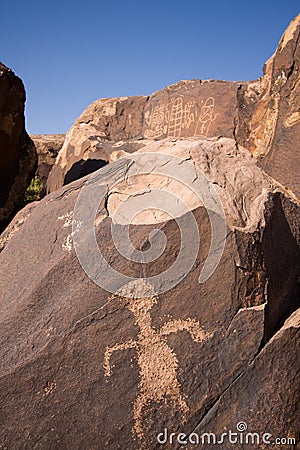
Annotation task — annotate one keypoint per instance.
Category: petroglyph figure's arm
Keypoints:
(191, 325)
(110, 350)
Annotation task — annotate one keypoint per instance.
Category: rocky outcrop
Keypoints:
(269, 117)
(47, 147)
(108, 364)
(111, 128)
(262, 115)
(17, 153)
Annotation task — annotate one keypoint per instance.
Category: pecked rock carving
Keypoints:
(156, 360)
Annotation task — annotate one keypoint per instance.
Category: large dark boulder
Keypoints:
(18, 157)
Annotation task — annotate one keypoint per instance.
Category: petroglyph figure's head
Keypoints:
(138, 295)
(140, 305)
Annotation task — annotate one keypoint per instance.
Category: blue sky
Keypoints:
(69, 54)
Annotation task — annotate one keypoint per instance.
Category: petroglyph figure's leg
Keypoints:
(143, 400)
(139, 405)
(110, 350)
(192, 326)
(180, 404)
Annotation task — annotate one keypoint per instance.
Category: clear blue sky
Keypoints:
(71, 53)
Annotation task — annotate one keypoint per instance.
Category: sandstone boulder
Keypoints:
(110, 128)
(18, 157)
(87, 366)
(47, 147)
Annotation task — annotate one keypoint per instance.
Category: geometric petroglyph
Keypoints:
(156, 121)
(176, 116)
(173, 118)
(157, 362)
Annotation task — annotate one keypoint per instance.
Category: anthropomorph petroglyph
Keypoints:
(206, 117)
(156, 360)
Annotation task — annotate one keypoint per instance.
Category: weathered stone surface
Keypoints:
(105, 131)
(17, 153)
(110, 128)
(47, 147)
(259, 399)
(84, 368)
(269, 117)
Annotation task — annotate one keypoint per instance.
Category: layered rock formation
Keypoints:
(17, 153)
(47, 147)
(83, 367)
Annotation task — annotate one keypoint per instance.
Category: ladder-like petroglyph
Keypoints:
(157, 362)
(176, 116)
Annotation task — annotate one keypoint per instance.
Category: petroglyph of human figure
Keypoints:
(156, 360)
(206, 117)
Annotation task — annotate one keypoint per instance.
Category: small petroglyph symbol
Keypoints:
(67, 219)
(49, 388)
(189, 113)
(68, 222)
(206, 117)
(156, 360)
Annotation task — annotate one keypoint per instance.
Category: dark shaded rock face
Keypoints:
(82, 168)
(17, 153)
(85, 368)
(47, 147)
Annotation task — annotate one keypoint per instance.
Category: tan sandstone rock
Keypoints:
(47, 147)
